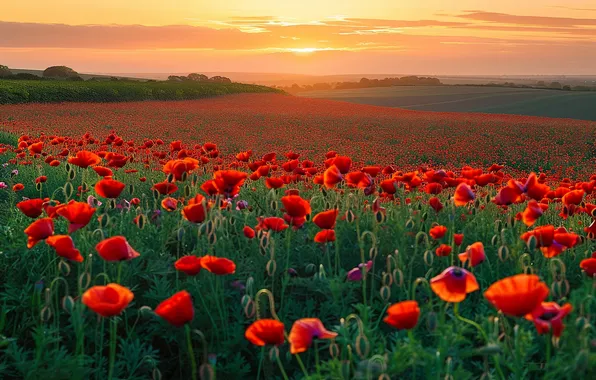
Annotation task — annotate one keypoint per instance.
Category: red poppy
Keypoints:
(102, 171)
(325, 236)
(304, 331)
(589, 266)
(78, 214)
(535, 189)
(177, 310)
(475, 253)
(517, 295)
(218, 265)
(271, 223)
(196, 210)
(332, 176)
(64, 247)
(169, 204)
(433, 188)
(436, 204)
(228, 182)
(116, 249)
(165, 188)
(84, 159)
(389, 186)
(573, 197)
(463, 195)
(458, 239)
(41, 179)
(296, 209)
(342, 163)
(36, 148)
(326, 219)
(453, 284)
(443, 250)
(108, 300)
(274, 183)
(265, 331)
(248, 232)
(109, 188)
(437, 232)
(18, 187)
(548, 316)
(191, 265)
(31, 207)
(544, 235)
(533, 211)
(39, 230)
(403, 315)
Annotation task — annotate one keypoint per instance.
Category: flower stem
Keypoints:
(113, 324)
(191, 353)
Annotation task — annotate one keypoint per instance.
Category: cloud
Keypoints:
(503, 18)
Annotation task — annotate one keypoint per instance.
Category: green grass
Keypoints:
(12, 92)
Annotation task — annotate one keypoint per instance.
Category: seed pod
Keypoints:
(38, 186)
(503, 253)
(387, 279)
(362, 346)
(64, 268)
(184, 176)
(155, 194)
(206, 372)
(68, 190)
(46, 314)
(212, 238)
(531, 243)
(67, 167)
(141, 221)
(170, 178)
(274, 353)
(380, 217)
(84, 280)
(385, 293)
(350, 217)
(156, 374)
(104, 220)
(67, 304)
(398, 276)
(131, 189)
(186, 191)
(495, 240)
(250, 309)
(429, 257)
(431, 321)
(373, 252)
(71, 175)
(334, 350)
(271, 267)
(112, 204)
(409, 224)
(273, 205)
(180, 234)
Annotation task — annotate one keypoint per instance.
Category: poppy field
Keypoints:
(264, 236)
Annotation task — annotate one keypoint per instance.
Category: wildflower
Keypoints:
(116, 249)
(218, 265)
(437, 232)
(355, 274)
(548, 316)
(64, 247)
(84, 159)
(517, 295)
(177, 310)
(304, 331)
(474, 253)
(107, 300)
(265, 331)
(78, 214)
(31, 207)
(191, 265)
(453, 284)
(403, 315)
(39, 230)
(109, 188)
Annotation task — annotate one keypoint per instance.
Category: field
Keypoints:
(267, 236)
(55, 91)
(494, 100)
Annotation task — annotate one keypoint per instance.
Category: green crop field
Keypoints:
(518, 101)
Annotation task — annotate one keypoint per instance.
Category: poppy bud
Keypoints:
(131, 189)
(385, 293)
(362, 346)
(503, 253)
(67, 304)
(531, 243)
(271, 267)
(64, 268)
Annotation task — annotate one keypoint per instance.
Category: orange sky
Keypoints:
(309, 36)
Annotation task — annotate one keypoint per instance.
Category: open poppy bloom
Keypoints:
(274, 183)
(296, 209)
(84, 159)
(332, 176)
(116, 249)
(325, 220)
(191, 265)
(39, 230)
(271, 223)
(78, 214)
(165, 188)
(355, 274)
(304, 331)
(109, 188)
(437, 232)
(548, 316)
(325, 236)
(196, 210)
(474, 253)
(169, 204)
(453, 284)
(533, 211)
(443, 250)
(108, 300)
(589, 265)
(517, 295)
(64, 247)
(102, 171)
(458, 239)
(218, 265)
(31, 207)
(265, 331)
(177, 310)
(544, 235)
(463, 194)
(228, 182)
(403, 315)
(436, 204)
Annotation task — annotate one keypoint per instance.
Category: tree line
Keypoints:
(365, 83)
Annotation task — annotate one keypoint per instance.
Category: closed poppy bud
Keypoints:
(191, 265)
(248, 232)
(403, 315)
(41, 179)
(218, 265)
(107, 300)
(177, 310)
(265, 331)
(116, 249)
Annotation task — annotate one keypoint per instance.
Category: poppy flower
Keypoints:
(165, 188)
(35, 148)
(325, 220)
(274, 183)
(248, 232)
(355, 274)
(296, 209)
(169, 204)
(265, 331)
(548, 316)
(544, 235)
(41, 179)
(325, 236)
(84, 159)
(39, 230)
(191, 265)
(109, 188)
(31, 207)
(271, 223)
(589, 266)
(218, 265)
(475, 253)
(343, 164)
(437, 232)
(443, 250)
(533, 211)
(332, 176)
(102, 171)
(534, 189)
(436, 204)
(177, 310)
(304, 331)
(517, 295)
(64, 247)
(389, 186)
(403, 315)
(116, 249)
(463, 194)
(458, 239)
(573, 197)
(18, 187)
(78, 214)
(196, 210)
(228, 182)
(453, 284)
(108, 300)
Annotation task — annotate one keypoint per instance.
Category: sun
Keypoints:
(304, 51)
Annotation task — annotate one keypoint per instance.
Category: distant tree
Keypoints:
(220, 79)
(5, 72)
(75, 78)
(556, 85)
(321, 86)
(198, 77)
(26, 76)
(566, 88)
(59, 72)
(174, 78)
(541, 83)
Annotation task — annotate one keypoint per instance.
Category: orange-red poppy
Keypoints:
(453, 284)
(248, 232)
(332, 176)
(78, 214)
(39, 230)
(325, 236)
(443, 250)
(458, 239)
(474, 253)
(228, 182)
(191, 265)
(343, 163)
(573, 197)
(463, 194)
(116, 249)
(196, 210)
(271, 223)
(296, 209)
(18, 187)
(589, 265)
(533, 211)
(108, 300)
(517, 295)
(64, 247)
(169, 204)
(548, 316)
(32, 207)
(544, 235)
(304, 331)
(326, 219)
(109, 188)
(177, 310)
(102, 171)
(35, 148)
(274, 183)
(403, 315)
(84, 159)
(265, 331)
(437, 232)
(534, 189)
(218, 265)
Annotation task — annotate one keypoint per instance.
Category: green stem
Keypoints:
(260, 363)
(112, 347)
(302, 367)
(191, 353)
(281, 368)
(470, 322)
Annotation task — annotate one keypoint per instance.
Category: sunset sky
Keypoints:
(432, 37)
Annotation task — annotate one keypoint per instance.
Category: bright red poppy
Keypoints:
(437, 232)
(403, 315)
(84, 159)
(265, 331)
(517, 295)
(218, 265)
(108, 300)
(109, 188)
(458, 239)
(169, 204)
(78, 214)
(64, 247)
(325, 236)
(271, 223)
(165, 188)
(463, 195)
(589, 266)
(474, 253)
(326, 219)
(31, 207)
(548, 316)
(116, 249)
(177, 310)
(191, 265)
(196, 210)
(453, 284)
(248, 232)
(304, 331)
(39, 230)
(443, 250)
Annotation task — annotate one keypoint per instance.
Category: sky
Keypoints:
(424, 37)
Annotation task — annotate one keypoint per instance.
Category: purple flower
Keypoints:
(14, 172)
(355, 274)
(93, 202)
(3, 185)
(241, 205)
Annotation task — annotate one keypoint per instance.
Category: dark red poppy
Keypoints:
(102, 171)
(435, 203)
(116, 249)
(274, 183)
(325, 236)
(548, 316)
(265, 331)
(403, 315)
(191, 265)
(443, 250)
(32, 207)
(458, 239)
(108, 300)
(177, 310)
(326, 219)
(517, 295)
(271, 223)
(165, 188)
(18, 187)
(453, 284)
